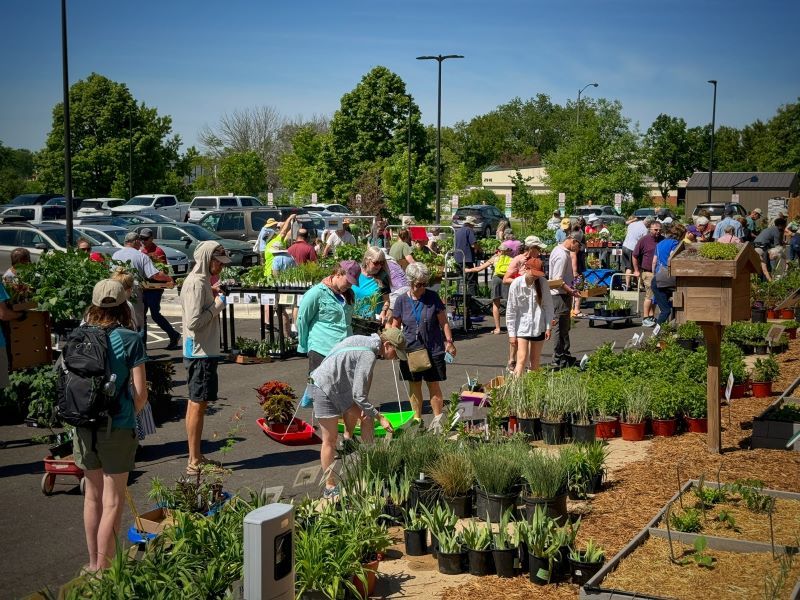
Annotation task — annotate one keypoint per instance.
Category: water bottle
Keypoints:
(110, 386)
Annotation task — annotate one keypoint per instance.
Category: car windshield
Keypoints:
(118, 235)
(95, 204)
(200, 233)
(24, 200)
(157, 217)
(468, 212)
(588, 210)
(140, 201)
(716, 210)
(204, 203)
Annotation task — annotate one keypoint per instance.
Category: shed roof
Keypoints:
(726, 180)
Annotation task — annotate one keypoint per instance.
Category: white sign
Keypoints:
(270, 199)
(735, 198)
(562, 202)
(656, 330)
(268, 299)
(314, 198)
(729, 387)
(234, 298)
(508, 205)
(454, 202)
(250, 298)
(358, 199)
(618, 202)
(584, 361)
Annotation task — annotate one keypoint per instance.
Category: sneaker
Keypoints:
(624, 287)
(174, 343)
(331, 493)
(648, 322)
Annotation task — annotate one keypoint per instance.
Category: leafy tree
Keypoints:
(100, 113)
(666, 147)
(299, 169)
(488, 197)
(600, 159)
(242, 173)
(394, 185)
(784, 136)
(523, 202)
(16, 170)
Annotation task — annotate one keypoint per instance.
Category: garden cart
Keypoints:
(60, 466)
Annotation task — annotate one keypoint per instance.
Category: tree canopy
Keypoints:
(667, 152)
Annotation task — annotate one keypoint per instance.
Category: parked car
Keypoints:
(36, 213)
(239, 224)
(98, 206)
(661, 212)
(161, 203)
(606, 212)
(717, 209)
(326, 207)
(202, 205)
(186, 236)
(113, 236)
(290, 210)
(38, 238)
(487, 216)
(60, 201)
(31, 199)
(123, 220)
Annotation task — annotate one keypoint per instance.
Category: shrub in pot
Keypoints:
(562, 388)
(790, 328)
(477, 538)
(664, 407)
(546, 476)
(586, 563)
(765, 371)
(688, 335)
(586, 468)
(526, 401)
(415, 534)
(453, 473)
(277, 400)
(605, 399)
(439, 520)
(582, 427)
(637, 406)
(564, 536)
(451, 555)
(696, 411)
(497, 474)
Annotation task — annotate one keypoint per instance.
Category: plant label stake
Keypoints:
(584, 361)
(678, 471)
(656, 330)
(728, 390)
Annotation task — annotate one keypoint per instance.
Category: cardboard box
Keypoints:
(595, 291)
(496, 382)
(155, 521)
(30, 341)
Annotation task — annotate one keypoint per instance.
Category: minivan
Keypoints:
(202, 205)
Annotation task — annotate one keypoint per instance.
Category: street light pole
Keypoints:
(130, 155)
(67, 156)
(713, 119)
(408, 188)
(580, 91)
(753, 179)
(439, 58)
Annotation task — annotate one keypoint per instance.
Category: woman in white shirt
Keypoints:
(529, 312)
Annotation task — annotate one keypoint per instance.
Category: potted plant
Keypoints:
(415, 534)
(277, 400)
(477, 538)
(452, 472)
(438, 519)
(398, 489)
(561, 388)
(542, 546)
(586, 563)
(696, 411)
(582, 428)
(637, 400)
(765, 371)
(688, 335)
(546, 476)
(451, 554)
(247, 346)
(606, 401)
(526, 399)
(506, 547)
(497, 473)
(664, 407)
(564, 535)
(586, 468)
(790, 328)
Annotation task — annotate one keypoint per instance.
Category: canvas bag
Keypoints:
(418, 360)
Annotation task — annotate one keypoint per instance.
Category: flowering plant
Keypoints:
(277, 400)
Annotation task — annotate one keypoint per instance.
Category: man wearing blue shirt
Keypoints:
(728, 221)
(465, 241)
(6, 314)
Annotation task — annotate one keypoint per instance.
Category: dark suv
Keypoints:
(239, 223)
(487, 218)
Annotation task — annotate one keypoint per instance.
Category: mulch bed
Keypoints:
(640, 489)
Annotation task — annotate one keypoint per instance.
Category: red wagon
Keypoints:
(60, 466)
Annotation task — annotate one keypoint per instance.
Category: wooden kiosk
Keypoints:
(714, 293)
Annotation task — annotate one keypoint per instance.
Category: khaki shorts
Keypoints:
(647, 281)
(115, 450)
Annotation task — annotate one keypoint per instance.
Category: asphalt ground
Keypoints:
(44, 540)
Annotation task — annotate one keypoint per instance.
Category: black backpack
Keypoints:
(86, 388)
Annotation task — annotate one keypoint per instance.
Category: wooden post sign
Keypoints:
(714, 293)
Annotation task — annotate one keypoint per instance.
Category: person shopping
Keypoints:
(529, 313)
(375, 278)
(664, 285)
(500, 260)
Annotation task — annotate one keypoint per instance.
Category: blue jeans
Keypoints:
(664, 302)
(152, 302)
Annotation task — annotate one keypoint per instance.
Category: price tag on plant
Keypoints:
(729, 387)
(234, 298)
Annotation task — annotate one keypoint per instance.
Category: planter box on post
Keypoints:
(714, 293)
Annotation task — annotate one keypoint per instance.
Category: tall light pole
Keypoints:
(580, 91)
(408, 187)
(439, 58)
(67, 156)
(130, 155)
(713, 119)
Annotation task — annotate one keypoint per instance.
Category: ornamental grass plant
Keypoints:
(546, 474)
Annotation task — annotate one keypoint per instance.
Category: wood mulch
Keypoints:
(640, 489)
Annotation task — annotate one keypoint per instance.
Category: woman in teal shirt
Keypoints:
(325, 312)
(107, 462)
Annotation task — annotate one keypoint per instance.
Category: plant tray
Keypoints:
(304, 431)
(240, 359)
(397, 420)
(595, 291)
(30, 341)
(769, 433)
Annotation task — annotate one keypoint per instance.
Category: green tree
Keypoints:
(523, 202)
(242, 173)
(488, 197)
(784, 137)
(16, 170)
(600, 159)
(104, 117)
(667, 155)
(300, 168)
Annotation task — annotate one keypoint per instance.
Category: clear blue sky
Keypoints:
(196, 60)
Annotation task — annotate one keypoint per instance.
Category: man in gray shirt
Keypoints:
(561, 268)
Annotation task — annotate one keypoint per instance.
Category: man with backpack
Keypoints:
(201, 349)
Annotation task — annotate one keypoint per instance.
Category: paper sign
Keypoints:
(729, 387)
(299, 299)
(264, 299)
(314, 198)
(286, 300)
(358, 199)
(234, 298)
(454, 202)
(657, 329)
(268, 299)
(508, 199)
(735, 198)
(270, 199)
(250, 298)
(618, 202)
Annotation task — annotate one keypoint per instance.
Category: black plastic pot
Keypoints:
(759, 315)
(460, 505)
(481, 562)
(532, 428)
(393, 512)
(449, 563)
(556, 508)
(434, 547)
(561, 566)
(523, 557)
(504, 561)
(493, 505)
(686, 344)
(539, 570)
(423, 491)
(595, 483)
(583, 433)
(416, 542)
(583, 572)
(553, 433)
(760, 349)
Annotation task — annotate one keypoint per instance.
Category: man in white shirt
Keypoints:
(637, 229)
(561, 269)
(339, 237)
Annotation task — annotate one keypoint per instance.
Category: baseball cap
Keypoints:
(535, 267)
(396, 338)
(271, 222)
(667, 221)
(470, 220)
(533, 241)
(221, 255)
(146, 233)
(702, 220)
(131, 236)
(758, 211)
(351, 270)
(108, 293)
(565, 222)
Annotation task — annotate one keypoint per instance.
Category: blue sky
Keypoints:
(198, 60)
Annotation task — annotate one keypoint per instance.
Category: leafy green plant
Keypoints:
(586, 461)
(717, 251)
(726, 518)
(413, 520)
(664, 400)
(709, 496)
(699, 555)
(349, 252)
(35, 390)
(689, 330)
(689, 520)
(539, 535)
(591, 553)
(247, 346)
(694, 404)
(191, 493)
(439, 520)
(766, 369)
(788, 412)
(453, 473)
(477, 536)
(449, 542)
(503, 540)
(637, 399)
(546, 474)
(496, 467)
(750, 491)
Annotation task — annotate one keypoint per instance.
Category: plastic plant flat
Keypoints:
(398, 420)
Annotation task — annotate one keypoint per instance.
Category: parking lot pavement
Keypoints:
(43, 536)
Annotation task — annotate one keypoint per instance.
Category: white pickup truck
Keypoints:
(161, 203)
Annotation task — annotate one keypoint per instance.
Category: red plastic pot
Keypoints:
(787, 313)
(762, 389)
(606, 429)
(664, 427)
(772, 313)
(633, 432)
(697, 425)
(739, 390)
(370, 569)
(791, 333)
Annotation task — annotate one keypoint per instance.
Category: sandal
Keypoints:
(204, 464)
(580, 315)
(496, 332)
(331, 493)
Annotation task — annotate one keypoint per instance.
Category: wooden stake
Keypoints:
(713, 335)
